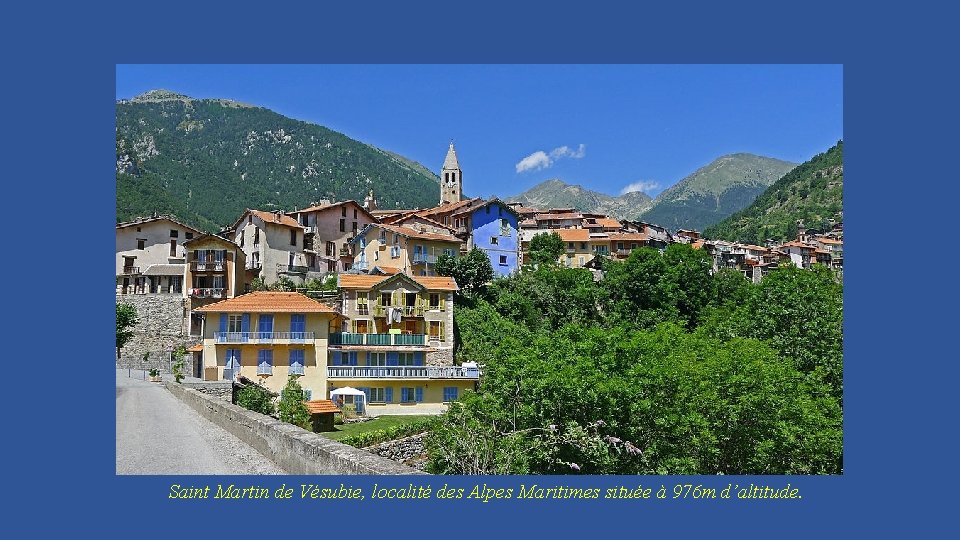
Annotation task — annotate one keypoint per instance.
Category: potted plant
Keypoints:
(154, 375)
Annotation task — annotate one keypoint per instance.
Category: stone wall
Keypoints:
(163, 324)
(410, 451)
(294, 449)
(439, 358)
(218, 389)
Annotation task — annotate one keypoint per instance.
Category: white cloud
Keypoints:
(540, 160)
(643, 185)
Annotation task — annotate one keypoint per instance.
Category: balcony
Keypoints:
(402, 372)
(406, 311)
(253, 265)
(378, 340)
(203, 266)
(131, 269)
(423, 258)
(361, 265)
(291, 269)
(262, 337)
(207, 293)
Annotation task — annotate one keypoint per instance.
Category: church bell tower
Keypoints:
(451, 178)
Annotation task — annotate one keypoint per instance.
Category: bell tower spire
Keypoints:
(451, 178)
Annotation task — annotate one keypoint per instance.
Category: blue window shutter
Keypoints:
(245, 323)
(223, 322)
(353, 358)
(336, 358)
(419, 397)
(418, 358)
(366, 392)
(388, 394)
(393, 359)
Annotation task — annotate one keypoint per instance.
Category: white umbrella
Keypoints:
(348, 391)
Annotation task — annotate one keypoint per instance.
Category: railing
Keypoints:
(291, 268)
(131, 269)
(386, 340)
(264, 369)
(260, 337)
(421, 258)
(296, 369)
(207, 293)
(402, 372)
(253, 265)
(215, 266)
(406, 311)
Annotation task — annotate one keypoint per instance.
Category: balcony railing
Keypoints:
(131, 269)
(402, 372)
(422, 258)
(296, 369)
(207, 293)
(264, 369)
(406, 311)
(253, 265)
(381, 340)
(213, 266)
(291, 269)
(261, 337)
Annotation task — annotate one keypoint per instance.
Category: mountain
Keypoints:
(812, 192)
(206, 160)
(713, 192)
(559, 194)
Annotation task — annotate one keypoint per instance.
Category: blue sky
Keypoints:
(606, 127)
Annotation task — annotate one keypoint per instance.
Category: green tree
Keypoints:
(546, 249)
(256, 398)
(178, 362)
(690, 274)
(126, 319)
(472, 271)
(292, 408)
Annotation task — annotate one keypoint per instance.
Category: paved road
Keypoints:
(159, 434)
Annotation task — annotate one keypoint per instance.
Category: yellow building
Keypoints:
(397, 344)
(411, 249)
(268, 336)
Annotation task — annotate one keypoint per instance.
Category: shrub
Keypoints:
(292, 409)
(256, 399)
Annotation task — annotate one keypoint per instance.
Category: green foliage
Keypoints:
(154, 372)
(472, 271)
(292, 408)
(257, 284)
(812, 192)
(283, 284)
(316, 284)
(178, 363)
(126, 319)
(545, 249)
(257, 399)
(207, 160)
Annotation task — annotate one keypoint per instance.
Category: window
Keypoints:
(141, 243)
(503, 260)
(138, 229)
(265, 362)
(488, 208)
(176, 284)
(410, 394)
(265, 326)
(450, 393)
(173, 248)
(377, 395)
(376, 359)
(385, 299)
(583, 245)
(363, 308)
(189, 235)
(174, 233)
(620, 246)
(235, 323)
(298, 325)
(493, 240)
(383, 236)
(405, 359)
(296, 361)
(307, 394)
(354, 228)
(343, 211)
(448, 252)
(354, 213)
(411, 299)
(293, 237)
(435, 301)
(396, 239)
(361, 326)
(394, 252)
(343, 225)
(436, 331)
(504, 227)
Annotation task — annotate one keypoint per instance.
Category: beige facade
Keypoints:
(273, 245)
(150, 255)
(408, 250)
(215, 270)
(328, 229)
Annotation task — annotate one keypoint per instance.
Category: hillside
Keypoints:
(713, 192)
(205, 160)
(559, 194)
(812, 192)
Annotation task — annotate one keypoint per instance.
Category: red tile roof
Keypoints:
(268, 302)
(320, 406)
(628, 237)
(449, 208)
(196, 348)
(573, 235)
(413, 233)
(271, 217)
(322, 207)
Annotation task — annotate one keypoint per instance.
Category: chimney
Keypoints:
(277, 216)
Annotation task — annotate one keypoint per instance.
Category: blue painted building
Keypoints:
(493, 227)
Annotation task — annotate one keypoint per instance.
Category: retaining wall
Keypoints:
(294, 449)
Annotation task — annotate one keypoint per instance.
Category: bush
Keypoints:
(292, 409)
(369, 438)
(256, 399)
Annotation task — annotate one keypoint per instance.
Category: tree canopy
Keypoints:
(126, 319)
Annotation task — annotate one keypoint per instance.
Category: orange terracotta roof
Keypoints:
(320, 406)
(574, 235)
(271, 217)
(428, 220)
(565, 215)
(449, 208)
(386, 270)
(756, 248)
(196, 348)
(697, 244)
(268, 302)
(364, 281)
(609, 223)
(413, 233)
(797, 244)
(322, 207)
(829, 241)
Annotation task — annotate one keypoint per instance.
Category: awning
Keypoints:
(347, 391)
(164, 270)
(196, 348)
